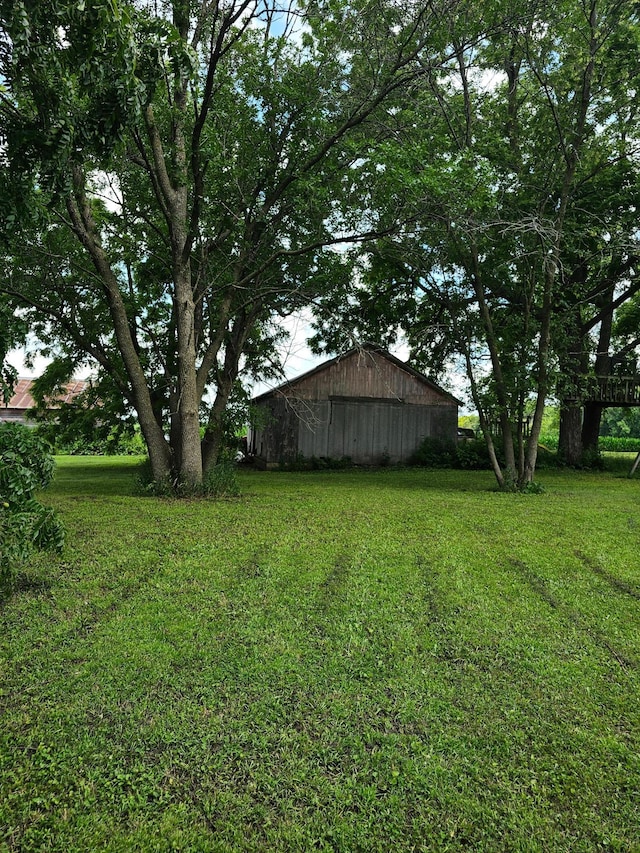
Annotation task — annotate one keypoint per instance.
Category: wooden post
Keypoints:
(635, 465)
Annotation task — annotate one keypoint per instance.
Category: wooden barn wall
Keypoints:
(366, 431)
(372, 431)
(277, 437)
(366, 374)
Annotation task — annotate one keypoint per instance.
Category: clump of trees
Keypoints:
(521, 162)
(178, 179)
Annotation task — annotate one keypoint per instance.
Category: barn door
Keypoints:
(365, 431)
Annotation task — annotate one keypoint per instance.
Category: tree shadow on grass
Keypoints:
(27, 582)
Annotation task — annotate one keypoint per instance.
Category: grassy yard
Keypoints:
(340, 661)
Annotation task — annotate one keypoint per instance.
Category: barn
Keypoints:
(365, 405)
(18, 408)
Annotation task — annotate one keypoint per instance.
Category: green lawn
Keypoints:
(340, 661)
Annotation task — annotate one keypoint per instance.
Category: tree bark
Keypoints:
(591, 426)
(190, 471)
(570, 438)
(87, 233)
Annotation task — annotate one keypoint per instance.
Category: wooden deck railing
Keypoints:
(613, 390)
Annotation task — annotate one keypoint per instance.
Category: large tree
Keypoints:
(190, 171)
(519, 166)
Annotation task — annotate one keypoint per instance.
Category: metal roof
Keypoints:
(23, 400)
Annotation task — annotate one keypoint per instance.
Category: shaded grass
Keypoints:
(392, 660)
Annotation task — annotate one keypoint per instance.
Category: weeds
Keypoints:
(220, 481)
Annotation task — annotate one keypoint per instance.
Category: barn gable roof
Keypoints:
(22, 399)
(286, 387)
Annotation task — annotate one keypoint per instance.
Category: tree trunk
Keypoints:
(496, 364)
(212, 441)
(187, 413)
(591, 426)
(570, 437)
(87, 233)
(602, 367)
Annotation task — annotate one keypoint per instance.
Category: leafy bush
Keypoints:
(619, 444)
(467, 455)
(444, 453)
(221, 480)
(472, 455)
(315, 463)
(591, 460)
(25, 466)
(549, 441)
(435, 453)
(115, 444)
(33, 465)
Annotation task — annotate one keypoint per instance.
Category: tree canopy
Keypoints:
(522, 162)
(190, 171)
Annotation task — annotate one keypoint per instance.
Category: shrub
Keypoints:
(619, 444)
(472, 455)
(123, 445)
(118, 442)
(315, 463)
(221, 480)
(28, 460)
(25, 466)
(435, 453)
(549, 441)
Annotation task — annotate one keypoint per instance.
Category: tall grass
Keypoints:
(346, 661)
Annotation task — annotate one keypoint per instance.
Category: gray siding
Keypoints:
(367, 431)
(365, 374)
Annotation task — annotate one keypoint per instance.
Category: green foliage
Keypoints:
(221, 480)
(619, 444)
(620, 423)
(472, 455)
(255, 130)
(525, 186)
(316, 463)
(13, 330)
(592, 460)
(440, 453)
(469, 422)
(435, 453)
(29, 453)
(116, 443)
(69, 86)
(26, 465)
(549, 441)
(513, 486)
(95, 421)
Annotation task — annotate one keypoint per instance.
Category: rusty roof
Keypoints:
(23, 400)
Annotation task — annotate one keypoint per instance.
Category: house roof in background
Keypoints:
(22, 398)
